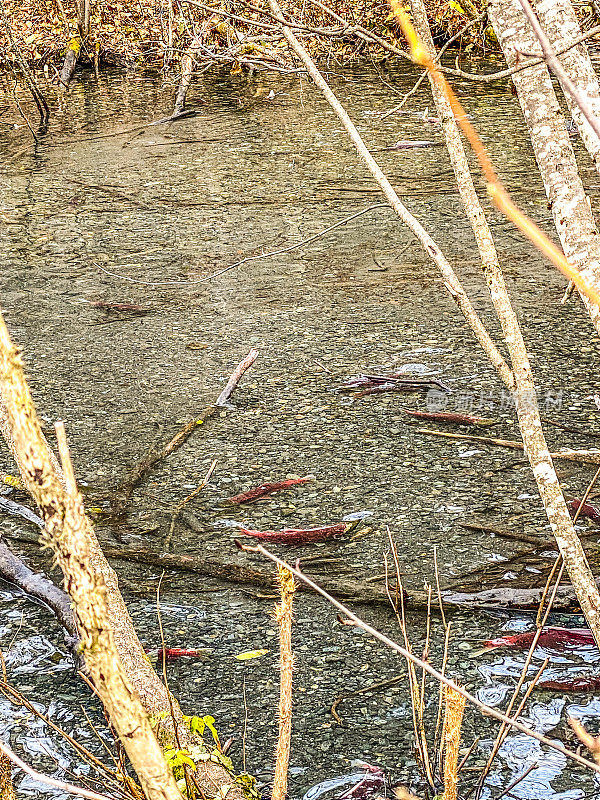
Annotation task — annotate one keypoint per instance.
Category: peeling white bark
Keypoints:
(558, 19)
(570, 205)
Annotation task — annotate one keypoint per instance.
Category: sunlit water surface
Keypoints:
(106, 207)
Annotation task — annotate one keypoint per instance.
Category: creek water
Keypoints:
(106, 207)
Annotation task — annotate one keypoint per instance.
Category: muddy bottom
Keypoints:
(105, 209)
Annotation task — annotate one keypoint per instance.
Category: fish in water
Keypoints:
(175, 653)
(580, 683)
(372, 782)
(265, 489)
(587, 510)
(300, 535)
(415, 144)
(552, 638)
(363, 784)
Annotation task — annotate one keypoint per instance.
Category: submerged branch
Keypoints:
(141, 470)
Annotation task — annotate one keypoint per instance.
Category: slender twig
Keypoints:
(37, 95)
(517, 781)
(22, 113)
(416, 698)
(245, 730)
(437, 586)
(441, 695)
(333, 710)
(65, 457)
(469, 753)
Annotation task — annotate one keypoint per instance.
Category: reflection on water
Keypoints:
(249, 174)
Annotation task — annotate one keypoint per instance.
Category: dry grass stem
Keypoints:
(455, 707)
(7, 790)
(284, 614)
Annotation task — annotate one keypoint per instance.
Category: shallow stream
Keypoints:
(106, 207)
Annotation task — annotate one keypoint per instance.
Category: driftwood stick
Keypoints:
(448, 416)
(539, 541)
(506, 597)
(581, 456)
(571, 428)
(145, 466)
(227, 570)
(235, 377)
(471, 437)
(18, 510)
(68, 68)
(78, 791)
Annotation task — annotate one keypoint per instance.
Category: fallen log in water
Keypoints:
(509, 597)
(228, 570)
(15, 571)
(347, 588)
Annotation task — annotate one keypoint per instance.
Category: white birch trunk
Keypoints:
(570, 205)
(558, 19)
(526, 402)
